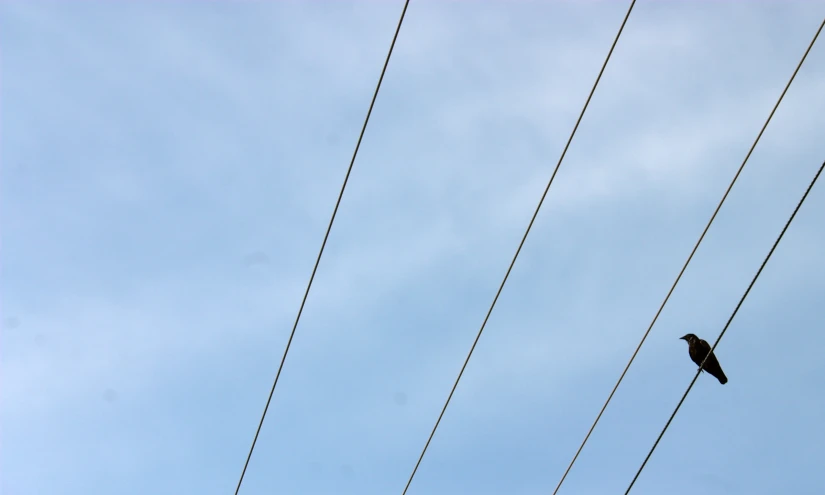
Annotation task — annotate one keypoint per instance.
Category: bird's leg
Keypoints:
(701, 369)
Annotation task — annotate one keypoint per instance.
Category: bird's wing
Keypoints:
(703, 348)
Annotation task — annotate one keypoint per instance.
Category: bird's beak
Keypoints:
(683, 338)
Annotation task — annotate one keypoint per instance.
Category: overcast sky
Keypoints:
(168, 172)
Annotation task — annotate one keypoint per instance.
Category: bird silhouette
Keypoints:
(698, 349)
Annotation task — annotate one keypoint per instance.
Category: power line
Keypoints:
(323, 244)
(521, 244)
(750, 286)
(690, 257)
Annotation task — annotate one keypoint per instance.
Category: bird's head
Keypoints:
(689, 338)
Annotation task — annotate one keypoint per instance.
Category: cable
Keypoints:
(750, 286)
(323, 244)
(690, 257)
(521, 244)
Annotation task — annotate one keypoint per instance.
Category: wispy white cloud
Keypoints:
(184, 138)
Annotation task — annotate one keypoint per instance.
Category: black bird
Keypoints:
(698, 349)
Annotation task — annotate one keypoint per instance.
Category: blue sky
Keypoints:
(168, 170)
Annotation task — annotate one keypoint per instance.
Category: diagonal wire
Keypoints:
(690, 257)
(323, 244)
(521, 244)
(750, 286)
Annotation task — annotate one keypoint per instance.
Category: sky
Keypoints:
(168, 170)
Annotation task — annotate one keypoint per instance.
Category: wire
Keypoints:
(690, 257)
(323, 244)
(521, 244)
(750, 286)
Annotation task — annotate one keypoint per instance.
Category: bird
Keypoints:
(698, 349)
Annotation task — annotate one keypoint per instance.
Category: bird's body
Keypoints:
(698, 349)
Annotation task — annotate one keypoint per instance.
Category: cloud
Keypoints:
(186, 141)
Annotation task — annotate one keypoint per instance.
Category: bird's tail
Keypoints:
(722, 378)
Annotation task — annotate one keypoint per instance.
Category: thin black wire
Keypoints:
(690, 257)
(750, 286)
(323, 244)
(521, 244)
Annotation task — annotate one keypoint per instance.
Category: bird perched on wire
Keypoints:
(698, 349)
